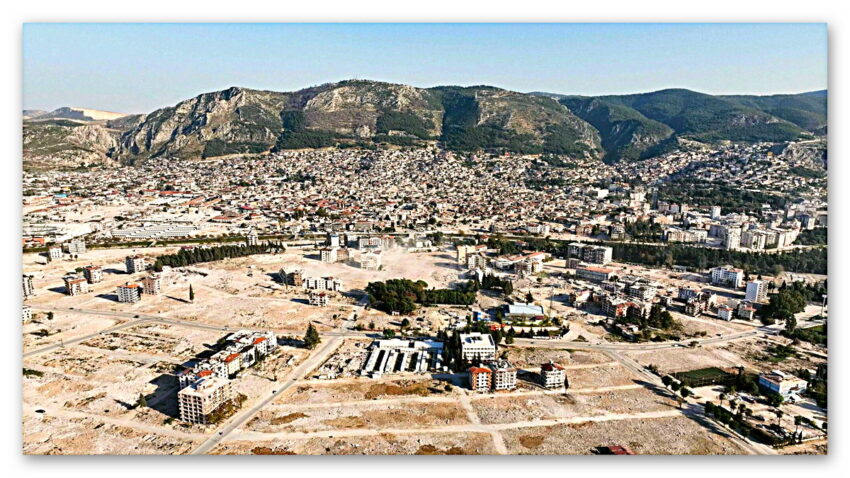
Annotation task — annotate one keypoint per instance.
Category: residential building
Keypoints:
(477, 346)
(199, 400)
(504, 375)
(480, 379)
(590, 253)
(552, 375)
(756, 291)
(728, 276)
(152, 284)
(371, 260)
(129, 293)
(134, 264)
(318, 298)
(93, 274)
(75, 285)
(369, 242)
(724, 312)
(29, 289)
(293, 278)
(328, 254)
(323, 283)
(26, 313)
(54, 253)
(76, 247)
(593, 273)
(476, 261)
(252, 239)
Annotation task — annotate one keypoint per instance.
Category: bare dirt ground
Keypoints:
(666, 436)
(377, 444)
(534, 357)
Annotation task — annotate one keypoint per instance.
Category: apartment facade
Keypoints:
(134, 264)
(552, 375)
(200, 399)
(477, 346)
(129, 293)
(75, 285)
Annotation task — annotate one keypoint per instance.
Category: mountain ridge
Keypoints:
(370, 114)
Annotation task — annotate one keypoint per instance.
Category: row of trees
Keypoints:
(197, 255)
(490, 282)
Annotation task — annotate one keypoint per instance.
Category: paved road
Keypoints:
(313, 361)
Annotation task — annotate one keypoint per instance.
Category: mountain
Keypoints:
(72, 113)
(370, 114)
(357, 113)
(644, 125)
(63, 143)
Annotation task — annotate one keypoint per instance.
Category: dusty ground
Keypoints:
(664, 436)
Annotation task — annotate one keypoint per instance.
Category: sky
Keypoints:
(136, 68)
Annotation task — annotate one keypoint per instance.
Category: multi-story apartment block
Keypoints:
(129, 293)
(590, 253)
(477, 346)
(592, 273)
(93, 274)
(199, 400)
(756, 291)
(480, 379)
(76, 247)
(319, 299)
(152, 284)
(476, 261)
(26, 313)
(328, 254)
(504, 375)
(29, 289)
(323, 283)
(293, 278)
(252, 239)
(369, 242)
(134, 264)
(371, 260)
(333, 240)
(728, 276)
(76, 285)
(552, 375)
(732, 240)
(724, 312)
(54, 253)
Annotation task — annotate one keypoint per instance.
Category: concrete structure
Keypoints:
(293, 278)
(590, 253)
(520, 311)
(476, 346)
(504, 375)
(129, 293)
(152, 284)
(728, 276)
(200, 399)
(75, 285)
(328, 254)
(756, 291)
(724, 312)
(782, 383)
(26, 313)
(318, 299)
(399, 355)
(480, 379)
(552, 375)
(76, 247)
(252, 239)
(93, 274)
(593, 273)
(371, 260)
(29, 290)
(323, 283)
(54, 253)
(134, 264)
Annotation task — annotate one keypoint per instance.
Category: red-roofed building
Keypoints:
(480, 379)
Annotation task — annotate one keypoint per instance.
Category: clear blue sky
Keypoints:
(139, 67)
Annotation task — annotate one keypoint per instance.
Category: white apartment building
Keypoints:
(729, 276)
(552, 375)
(75, 285)
(477, 346)
(129, 293)
(323, 283)
(54, 253)
(724, 312)
(93, 274)
(328, 254)
(200, 399)
(152, 284)
(134, 264)
(253, 239)
(29, 289)
(319, 299)
(371, 261)
(756, 291)
(26, 313)
(76, 247)
(476, 261)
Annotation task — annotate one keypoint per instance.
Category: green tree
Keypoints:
(311, 338)
(191, 293)
(142, 402)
